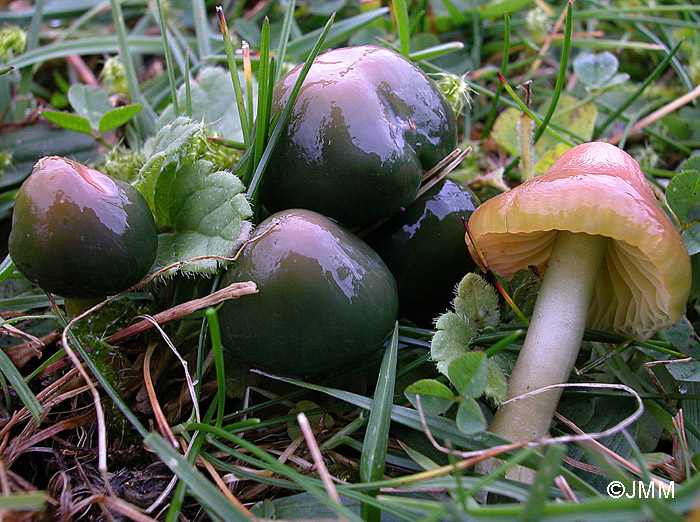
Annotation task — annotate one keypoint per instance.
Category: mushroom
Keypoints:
(611, 257)
(81, 234)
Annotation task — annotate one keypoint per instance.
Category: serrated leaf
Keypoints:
(213, 103)
(118, 117)
(476, 301)
(468, 374)
(68, 121)
(89, 102)
(206, 211)
(435, 397)
(596, 71)
(169, 145)
(470, 419)
(683, 195)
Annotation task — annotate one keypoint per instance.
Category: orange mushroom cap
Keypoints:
(598, 189)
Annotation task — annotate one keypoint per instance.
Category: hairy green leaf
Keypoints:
(203, 207)
(206, 210)
(452, 338)
(477, 301)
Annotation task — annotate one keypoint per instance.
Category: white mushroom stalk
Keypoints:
(611, 258)
(553, 337)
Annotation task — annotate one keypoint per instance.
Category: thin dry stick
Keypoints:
(183, 362)
(440, 164)
(318, 458)
(546, 441)
(565, 488)
(124, 508)
(626, 463)
(99, 412)
(449, 168)
(648, 366)
(660, 113)
(153, 398)
(230, 292)
(224, 488)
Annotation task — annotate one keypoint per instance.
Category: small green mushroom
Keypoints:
(80, 234)
(424, 248)
(326, 300)
(366, 124)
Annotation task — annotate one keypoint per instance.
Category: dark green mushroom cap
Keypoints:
(366, 124)
(425, 250)
(79, 233)
(326, 300)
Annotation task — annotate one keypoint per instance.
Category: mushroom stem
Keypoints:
(76, 306)
(554, 336)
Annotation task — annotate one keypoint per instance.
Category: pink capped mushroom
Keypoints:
(611, 260)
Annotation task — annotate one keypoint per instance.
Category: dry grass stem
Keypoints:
(162, 423)
(318, 458)
(230, 292)
(658, 114)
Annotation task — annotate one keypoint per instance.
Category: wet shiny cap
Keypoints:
(598, 189)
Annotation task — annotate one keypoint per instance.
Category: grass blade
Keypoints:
(560, 77)
(402, 26)
(215, 334)
(286, 112)
(264, 98)
(201, 28)
(145, 121)
(284, 36)
(31, 501)
(374, 449)
(205, 492)
(7, 268)
(547, 471)
(29, 400)
(170, 68)
(504, 68)
(234, 77)
(274, 465)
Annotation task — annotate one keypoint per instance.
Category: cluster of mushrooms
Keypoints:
(366, 125)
